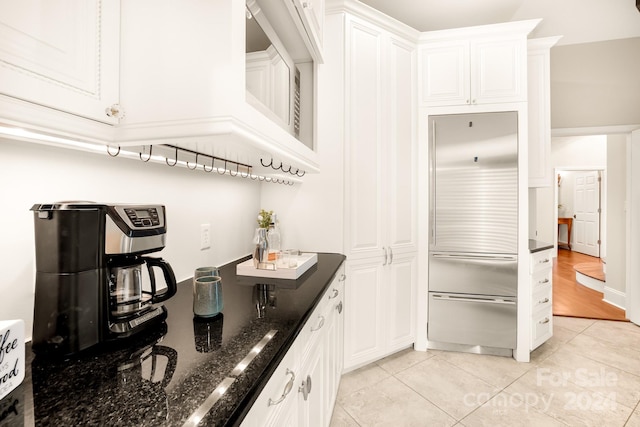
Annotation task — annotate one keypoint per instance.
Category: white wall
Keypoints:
(595, 84)
(32, 173)
(616, 212)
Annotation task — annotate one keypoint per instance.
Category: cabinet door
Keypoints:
(311, 400)
(498, 70)
(312, 14)
(332, 347)
(401, 158)
(539, 107)
(444, 73)
(364, 156)
(62, 54)
(364, 307)
(400, 301)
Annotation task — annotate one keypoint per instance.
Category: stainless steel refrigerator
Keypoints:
(473, 263)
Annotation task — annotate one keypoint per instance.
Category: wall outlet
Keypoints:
(205, 236)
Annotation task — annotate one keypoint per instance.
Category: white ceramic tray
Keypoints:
(305, 261)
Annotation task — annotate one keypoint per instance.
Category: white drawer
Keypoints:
(541, 299)
(540, 261)
(541, 327)
(315, 325)
(279, 393)
(541, 279)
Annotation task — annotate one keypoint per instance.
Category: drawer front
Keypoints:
(316, 324)
(540, 261)
(279, 393)
(541, 328)
(542, 299)
(541, 279)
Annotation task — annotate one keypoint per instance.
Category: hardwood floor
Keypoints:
(571, 298)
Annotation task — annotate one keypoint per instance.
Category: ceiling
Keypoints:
(578, 21)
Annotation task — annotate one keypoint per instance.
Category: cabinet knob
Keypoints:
(334, 294)
(115, 111)
(342, 278)
(305, 387)
(546, 320)
(543, 301)
(339, 308)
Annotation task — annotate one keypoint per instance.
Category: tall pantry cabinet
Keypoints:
(380, 157)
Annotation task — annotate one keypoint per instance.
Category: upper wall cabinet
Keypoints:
(62, 55)
(311, 24)
(540, 170)
(172, 73)
(476, 65)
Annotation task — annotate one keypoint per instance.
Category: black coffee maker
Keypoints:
(91, 287)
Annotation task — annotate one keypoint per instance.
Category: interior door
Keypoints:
(586, 218)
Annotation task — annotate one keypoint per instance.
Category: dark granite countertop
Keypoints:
(165, 376)
(537, 246)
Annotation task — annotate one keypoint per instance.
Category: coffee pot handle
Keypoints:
(169, 277)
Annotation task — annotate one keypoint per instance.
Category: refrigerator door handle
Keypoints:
(475, 257)
(476, 300)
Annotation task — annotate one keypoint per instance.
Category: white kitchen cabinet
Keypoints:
(303, 389)
(62, 55)
(541, 274)
(310, 24)
(477, 65)
(539, 105)
(380, 193)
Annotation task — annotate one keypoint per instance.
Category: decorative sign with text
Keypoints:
(11, 355)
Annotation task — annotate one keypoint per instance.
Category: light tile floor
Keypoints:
(588, 374)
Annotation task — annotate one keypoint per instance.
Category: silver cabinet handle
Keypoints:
(543, 281)
(339, 307)
(342, 278)
(546, 320)
(305, 387)
(320, 325)
(287, 389)
(544, 261)
(334, 294)
(390, 255)
(543, 301)
(385, 255)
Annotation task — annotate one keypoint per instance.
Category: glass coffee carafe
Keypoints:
(130, 291)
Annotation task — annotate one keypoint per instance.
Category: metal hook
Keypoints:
(166, 159)
(196, 165)
(109, 151)
(150, 151)
(266, 166)
(237, 171)
(204, 167)
(224, 170)
(303, 172)
(253, 177)
(276, 168)
(288, 170)
(248, 173)
(291, 183)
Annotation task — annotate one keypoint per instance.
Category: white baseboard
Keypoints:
(615, 297)
(590, 282)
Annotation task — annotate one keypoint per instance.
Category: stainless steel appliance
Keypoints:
(473, 262)
(90, 283)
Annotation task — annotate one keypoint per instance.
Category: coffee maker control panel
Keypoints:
(143, 217)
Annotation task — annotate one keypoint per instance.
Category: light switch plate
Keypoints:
(205, 236)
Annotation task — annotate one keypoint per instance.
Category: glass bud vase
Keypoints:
(261, 252)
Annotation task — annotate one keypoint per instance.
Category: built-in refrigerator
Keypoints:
(473, 263)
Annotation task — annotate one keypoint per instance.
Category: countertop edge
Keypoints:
(538, 246)
(250, 397)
